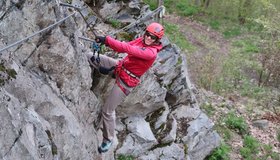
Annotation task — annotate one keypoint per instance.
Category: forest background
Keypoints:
(233, 50)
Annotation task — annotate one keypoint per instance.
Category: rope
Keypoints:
(34, 34)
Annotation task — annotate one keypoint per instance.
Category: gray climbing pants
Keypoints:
(115, 98)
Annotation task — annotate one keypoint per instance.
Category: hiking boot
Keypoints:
(91, 58)
(106, 144)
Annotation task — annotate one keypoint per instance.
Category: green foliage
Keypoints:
(227, 134)
(69, 1)
(2, 68)
(251, 143)
(152, 3)
(250, 90)
(278, 135)
(246, 45)
(252, 26)
(238, 71)
(179, 62)
(180, 7)
(12, 73)
(125, 157)
(275, 156)
(269, 16)
(184, 9)
(186, 149)
(269, 153)
(236, 123)
(125, 36)
(223, 131)
(215, 24)
(173, 32)
(246, 153)
(9, 74)
(221, 85)
(232, 32)
(250, 148)
(115, 23)
(208, 76)
(220, 153)
(208, 108)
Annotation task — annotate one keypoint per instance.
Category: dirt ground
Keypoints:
(208, 41)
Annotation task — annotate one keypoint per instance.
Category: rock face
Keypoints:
(49, 97)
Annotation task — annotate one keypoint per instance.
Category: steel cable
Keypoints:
(34, 34)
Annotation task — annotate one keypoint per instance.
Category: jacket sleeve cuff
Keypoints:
(106, 40)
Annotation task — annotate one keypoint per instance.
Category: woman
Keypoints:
(141, 54)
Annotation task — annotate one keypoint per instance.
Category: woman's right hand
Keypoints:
(100, 39)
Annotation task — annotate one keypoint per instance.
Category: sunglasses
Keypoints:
(153, 37)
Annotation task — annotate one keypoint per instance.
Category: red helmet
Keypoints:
(156, 29)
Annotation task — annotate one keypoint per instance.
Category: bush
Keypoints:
(250, 149)
(208, 108)
(246, 45)
(221, 153)
(236, 123)
(278, 135)
(7, 74)
(182, 8)
(269, 153)
(125, 157)
(152, 3)
(115, 23)
(214, 24)
(232, 32)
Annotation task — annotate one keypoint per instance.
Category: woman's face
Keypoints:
(149, 38)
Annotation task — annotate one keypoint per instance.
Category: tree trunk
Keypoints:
(157, 17)
(198, 3)
(206, 3)
(160, 2)
(244, 10)
(260, 79)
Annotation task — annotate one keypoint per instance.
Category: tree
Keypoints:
(244, 10)
(270, 46)
(202, 3)
(206, 3)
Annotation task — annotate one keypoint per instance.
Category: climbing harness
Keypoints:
(121, 85)
(130, 74)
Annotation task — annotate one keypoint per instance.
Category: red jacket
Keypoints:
(139, 59)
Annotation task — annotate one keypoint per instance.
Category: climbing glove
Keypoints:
(100, 39)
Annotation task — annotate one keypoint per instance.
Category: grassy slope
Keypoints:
(222, 58)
